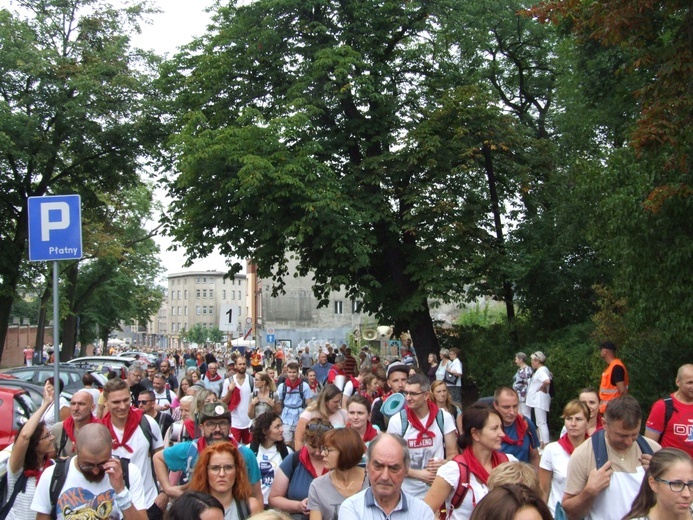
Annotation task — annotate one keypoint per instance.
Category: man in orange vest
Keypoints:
(614, 381)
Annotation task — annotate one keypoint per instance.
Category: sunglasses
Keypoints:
(319, 427)
(144, 401)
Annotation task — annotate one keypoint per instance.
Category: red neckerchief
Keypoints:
(370, 433)
(131, 425)
(416, 422)
(189, 425)
(38, 472)
(313, 388)
(202, 443)
(304, 458)
(521, 426)
(292, 386)
(69, 427)
(565, 443)
(600, 422)
(209, 377)
(476, 468)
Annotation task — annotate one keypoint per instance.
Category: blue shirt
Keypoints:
(299, 479)
(530, 442)
(183, 456)
(363, 506)
(321, 371)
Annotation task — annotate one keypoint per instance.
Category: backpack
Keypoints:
(60, 476)
(462, 483)
(552, 388)
(300, 391)
(599, 447)
(178, 433)
(19, 487)
(440, 421)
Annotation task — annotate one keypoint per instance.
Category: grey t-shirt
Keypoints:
(323, 496)
(306, 360)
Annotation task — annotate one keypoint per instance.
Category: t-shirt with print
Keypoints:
(324, 497)
(80, 498)
(679, 429)
(268, 460)
(140, 456)
(422, 451)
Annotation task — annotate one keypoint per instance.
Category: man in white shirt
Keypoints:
(430, 434)
(94, 485)
(238, 405)
(162, 395)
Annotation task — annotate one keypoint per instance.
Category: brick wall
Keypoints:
(18, 337)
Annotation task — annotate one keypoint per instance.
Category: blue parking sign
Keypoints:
(55, 228)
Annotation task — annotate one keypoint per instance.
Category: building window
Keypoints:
(204, 293)
(197, 292)
(233, 295)
(178, 296)
(204, 279)
(186, 310)
(211, 309)
(185, 294)
(204, 309)
(173, 311)
(338, 307)
(198, 279)
(239, 295)
(223, 294)
(197, 310)
(356, 306)
(211, 294)
(179, 313)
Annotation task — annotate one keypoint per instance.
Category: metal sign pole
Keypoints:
(56, 343)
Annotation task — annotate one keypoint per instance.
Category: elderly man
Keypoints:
(134, 381)
(605, 472)
(92, 484)
(388, 464)
(430, 433)
(322, 368)
(81, 414)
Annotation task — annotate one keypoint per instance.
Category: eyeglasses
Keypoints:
(144, 401)
(412, 394)
(327, 449)
(677, 485)
(47, 435)
(216, 424)
(319, 427)
(216, 468)
(91, 467)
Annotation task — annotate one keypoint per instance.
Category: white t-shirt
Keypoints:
(421, 453)
(268, 460)
(21, 510)
(239, 417)
(140, 456)
(162, 399)
(440, 371)
(337, 419)
(49, 415)
(348, 389)
(535, 397)
(555, 459)
(85, 499)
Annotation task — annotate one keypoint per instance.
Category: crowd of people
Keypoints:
(339, 436)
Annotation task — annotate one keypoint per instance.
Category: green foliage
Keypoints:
(195, 334)
(482, 316)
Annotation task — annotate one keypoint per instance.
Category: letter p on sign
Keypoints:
(47, 225)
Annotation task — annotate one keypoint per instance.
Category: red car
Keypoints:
(15, 409)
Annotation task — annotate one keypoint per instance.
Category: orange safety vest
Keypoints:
(607, 391)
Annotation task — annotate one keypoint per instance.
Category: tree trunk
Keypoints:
(69, 325)
(41, 327)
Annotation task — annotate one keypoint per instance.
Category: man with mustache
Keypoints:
(94, 484)
(388, 465)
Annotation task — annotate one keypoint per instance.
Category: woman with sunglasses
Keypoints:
(224, 477)
(289, 491)
(666, 492)
(342, 451)
(328, 407)
(33, 447)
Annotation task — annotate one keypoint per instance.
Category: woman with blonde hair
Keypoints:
(328, 407)
(440, 396)
(263, 395)
(553, 468)
(220, 472)
(444, 362)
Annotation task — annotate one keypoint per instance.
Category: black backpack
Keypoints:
(19, 487)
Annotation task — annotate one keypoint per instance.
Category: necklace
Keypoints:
(334, 481)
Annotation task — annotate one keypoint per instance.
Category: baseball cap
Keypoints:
(214, 411)
(397, 367)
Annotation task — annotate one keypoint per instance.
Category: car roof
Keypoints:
(103, 359)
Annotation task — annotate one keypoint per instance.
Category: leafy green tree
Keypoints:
(196, 334)
(71, 115)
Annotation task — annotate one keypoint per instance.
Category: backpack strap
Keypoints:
(462, 484)
(440, 421)
(599, 447)
(63, 442)
(283, 451)
(148, 433)
(243, 509)
(19, 487)
(57, 482)
(668, 411)
(125, 464)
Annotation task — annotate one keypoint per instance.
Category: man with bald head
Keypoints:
(95, 485)
(81, 414)
(387, 466)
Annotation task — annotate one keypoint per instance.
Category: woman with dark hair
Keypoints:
(289, 491)
(328, 407)
(269, 447)
(193, 505)
(33, 447)
(553, 468)
(49, 414)
(263, 395)
(220, 472)
(512, 502)
(342, 450)
(480, 445)
(88, 380)
(666, 492)
(590, 397)
(440, 396)
(432, 367)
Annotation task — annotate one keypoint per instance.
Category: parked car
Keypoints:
(71, 376)
(34, 391)
(105, 363)
(15, 409)
(144, 356)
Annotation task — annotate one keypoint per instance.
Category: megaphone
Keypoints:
(385, 331)
(370, 334)
(393, 405)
